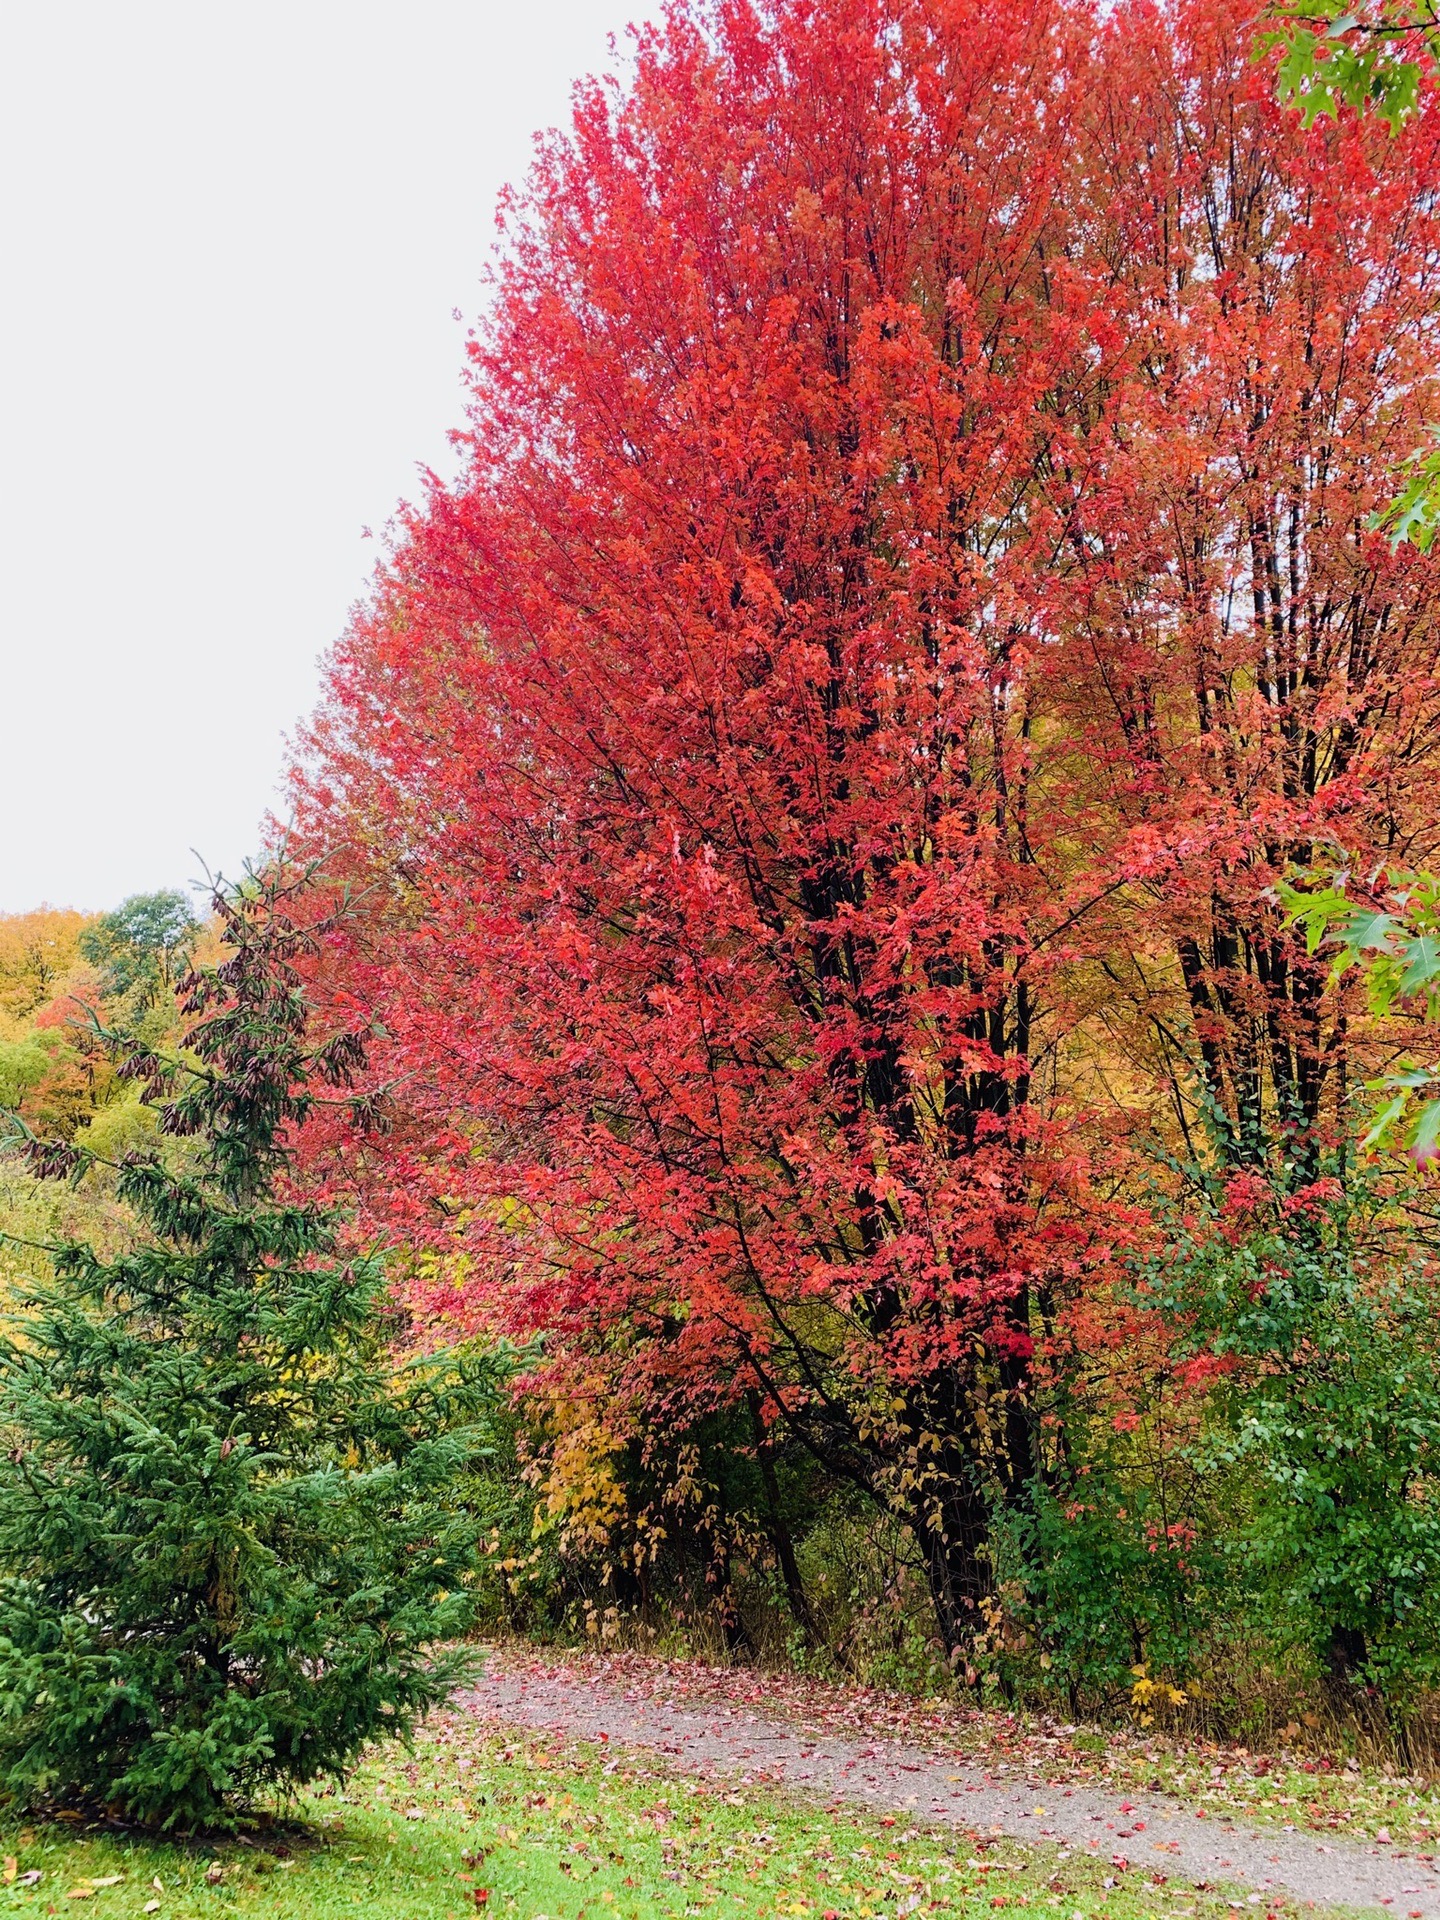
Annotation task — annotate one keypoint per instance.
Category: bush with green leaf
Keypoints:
(1274, 1479)
(1326, 1409)
(230, 1551)
(1118, 1561)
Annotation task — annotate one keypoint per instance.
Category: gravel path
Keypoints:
(1149, 1832)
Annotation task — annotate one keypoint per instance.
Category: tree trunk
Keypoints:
(779, 1533)
(953, 1532)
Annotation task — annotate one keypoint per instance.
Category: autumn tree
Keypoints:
(824, 765)
(37, 951)
(1256, 665)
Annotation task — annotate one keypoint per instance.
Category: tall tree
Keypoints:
(144, 946)
(914, 526)
(1257, 667)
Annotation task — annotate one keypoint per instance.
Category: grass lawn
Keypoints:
(468, 1823)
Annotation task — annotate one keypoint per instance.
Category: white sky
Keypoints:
(232, 235)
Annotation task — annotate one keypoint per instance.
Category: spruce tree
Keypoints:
(229, 1549)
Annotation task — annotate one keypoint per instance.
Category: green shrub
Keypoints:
(1327, 1410)
(1108, 1577)
(1264, 1496)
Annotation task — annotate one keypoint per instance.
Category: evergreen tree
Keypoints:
(228, 1543)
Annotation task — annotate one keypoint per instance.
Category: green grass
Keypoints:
(468, 1823)
(1281, 1792)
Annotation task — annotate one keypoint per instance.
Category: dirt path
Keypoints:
(1148, 1832)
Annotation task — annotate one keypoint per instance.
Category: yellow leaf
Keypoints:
(12, 1867)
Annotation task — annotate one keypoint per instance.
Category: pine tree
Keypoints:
(229, 1546)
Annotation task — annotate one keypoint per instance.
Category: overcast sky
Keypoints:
(232, 238)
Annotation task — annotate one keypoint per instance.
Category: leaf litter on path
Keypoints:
(1312, 1791)
(885, 1750)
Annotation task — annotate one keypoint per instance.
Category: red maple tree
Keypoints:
(820, 771)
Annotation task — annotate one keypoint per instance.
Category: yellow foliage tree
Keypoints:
(39, 952)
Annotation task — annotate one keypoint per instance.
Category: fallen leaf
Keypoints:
(151, 1906)
(81, 1893)
(110, 1880)
(12, 1867)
